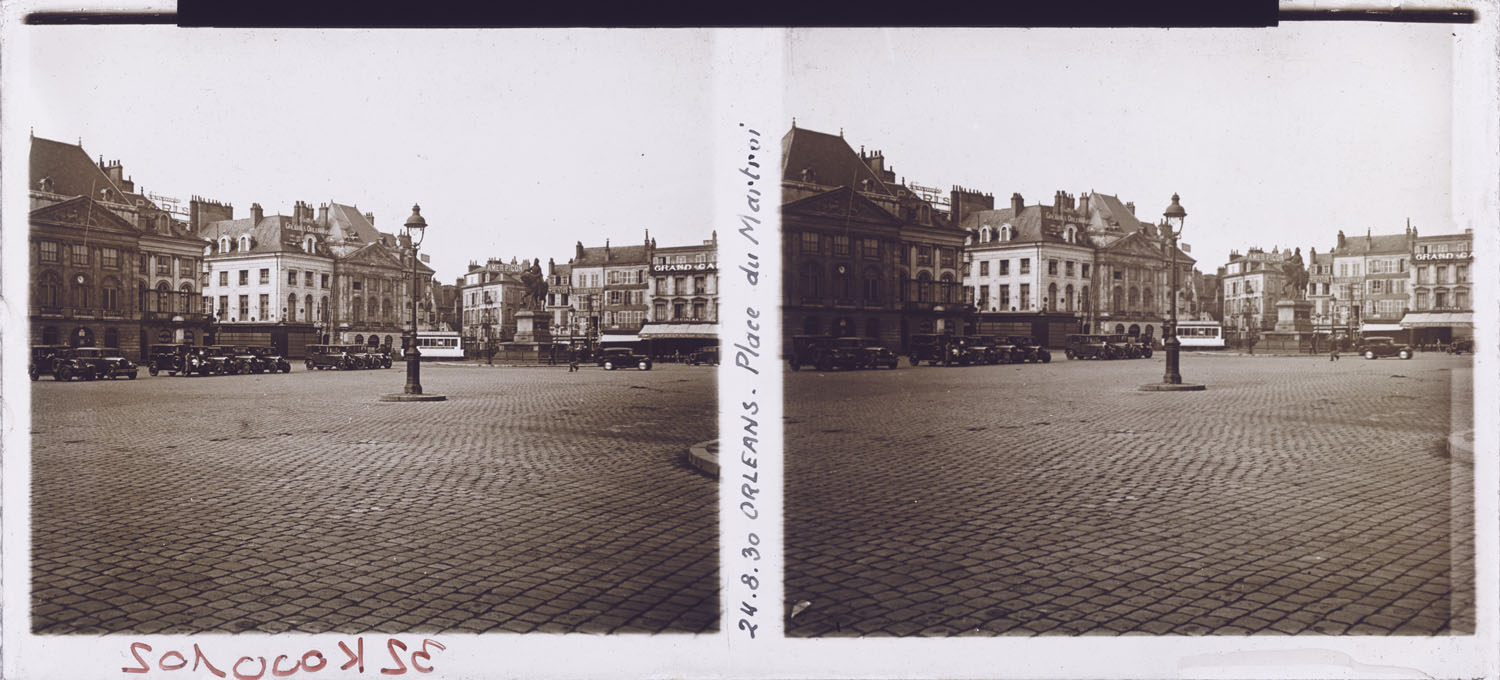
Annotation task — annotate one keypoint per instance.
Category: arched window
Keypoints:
(1119, 328)
(1119, 300)
(223, 244)
(810, 325)
(387, 341)
(1135, 297)
(291, 307)
(385, 309)
(162, 298)
(1135, 330)
(872, 285)
(1083, 298)
(359, 339)
(374, 340)
(357, 307)
(810, 280)
(1146, 298)
(79, 293)
(1006, 232)
(924, 287)
(112, 337)
(309, 244)
(184, 295)
(323, 309)
(1070, 234)
(986, 234)
(1068, 299)
(244, 242)
(49, 292)
(1051, 297)
(307, 307)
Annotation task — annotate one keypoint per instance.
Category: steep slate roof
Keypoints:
(73, 173)
(1028, 226)
(1114, 213)
(347, 223)
(274, 234)
(1383, 244)
(594, 257)
(830, 158)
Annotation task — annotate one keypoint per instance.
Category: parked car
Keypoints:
(623, 357)
(993, 349)
(42, 359)
(1128, 347)
(1029, 350)
(1461, 345)
(322, 357)
(92, 363)
(707, 355)
(169, 357)
(371, 357)
(968, 351)
(871, 355)
(1089, 346)
(821, 352)
(1375, 347)
(266, 360)
(932, 349)
(237, 359)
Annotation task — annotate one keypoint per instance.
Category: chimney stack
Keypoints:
(1130, 205)
(256, 214)
(1017, 203)
(578, 254)
(323, 214)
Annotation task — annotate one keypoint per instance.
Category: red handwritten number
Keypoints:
(391, 645)
(181, 661)
(424, 655)
(352, 658)
(311, 668)
(198, 656)
(135, 650)
(276, 667)
(243, 659)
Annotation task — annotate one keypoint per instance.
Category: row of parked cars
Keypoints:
(975, 350)
(1102, 346)
(347, 357)
(188, 360)
(83, 363)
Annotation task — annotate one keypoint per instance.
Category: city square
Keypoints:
(533, 500)
(1295, 495)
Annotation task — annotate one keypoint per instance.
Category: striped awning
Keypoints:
(680, 331)
(1380, 328)
(1438, 320)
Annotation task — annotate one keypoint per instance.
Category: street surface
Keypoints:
(1295, 495)
(534, 500)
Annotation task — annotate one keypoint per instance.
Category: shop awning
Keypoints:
(680, 331)
(619, 337)
(1380, 328)
(1438, 320)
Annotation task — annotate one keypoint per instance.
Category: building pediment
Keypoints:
(83, 212)
(839, 204)
(1135, 245)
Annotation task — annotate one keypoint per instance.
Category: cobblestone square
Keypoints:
(1294, 495)
(534, 500)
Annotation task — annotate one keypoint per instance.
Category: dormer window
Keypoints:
(46, 184)
(309, 244)
(1006, 232)
(986, 234)
(223, 244)
(244, 242)
(1070, 234)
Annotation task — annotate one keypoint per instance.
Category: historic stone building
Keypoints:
(288, 281)
(1253, 282)
(608, 291)
(1441, 285)
(492, 293)
(862, 255)
(109, 266)
(559, 306)
(1028, 268)
(1370, 279)
(683, 298)
(1131, 276)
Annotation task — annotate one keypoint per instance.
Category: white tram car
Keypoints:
(1200, 334)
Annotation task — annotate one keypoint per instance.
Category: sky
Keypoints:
(1272, 137)
(515, 143)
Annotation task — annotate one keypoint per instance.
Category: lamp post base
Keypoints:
(1171, 387)
(402, 396)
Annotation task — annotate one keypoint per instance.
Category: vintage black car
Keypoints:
(933, 349)
(42, 357)
(266, 360)
(969, 351)
(92, 363)
(1027, 349)
(871, 355)
(623, 357)
(172, 358)
(1461, 345)
(237, 359)
(371, 356)
(330, 356)
(707, 355)
(1126, 346)
(821, 352)
(1089, 346)
(995, 349)
(1375, 347)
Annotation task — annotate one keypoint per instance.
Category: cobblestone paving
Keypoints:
(533, 501)
(1295, 495)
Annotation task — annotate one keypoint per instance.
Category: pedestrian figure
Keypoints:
(1333, 354)
(572, 361)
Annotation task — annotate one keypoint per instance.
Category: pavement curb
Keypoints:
(704, 457)
(1461, 447)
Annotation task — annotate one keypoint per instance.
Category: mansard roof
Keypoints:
(69, 167)
(828, 160)
(1028, 226)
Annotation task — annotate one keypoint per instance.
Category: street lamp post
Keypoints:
(411, 240)
(1172, 378)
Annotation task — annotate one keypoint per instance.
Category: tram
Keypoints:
(1200, 334)
(440, 345)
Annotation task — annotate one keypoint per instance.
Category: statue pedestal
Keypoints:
(533, 328)
(1293, 316)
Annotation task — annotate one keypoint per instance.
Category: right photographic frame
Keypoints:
(1131, 332)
